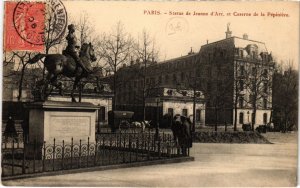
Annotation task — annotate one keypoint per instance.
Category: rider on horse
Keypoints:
(72, 49)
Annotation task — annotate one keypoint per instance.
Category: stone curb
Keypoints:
(100, 168)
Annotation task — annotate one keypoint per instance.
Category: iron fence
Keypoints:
(19, 157)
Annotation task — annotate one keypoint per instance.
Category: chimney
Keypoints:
(206, 41)
(245, 36)
(228, 32)
(191, 52)
(131, 61)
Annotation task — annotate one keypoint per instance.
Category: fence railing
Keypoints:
(108, 149)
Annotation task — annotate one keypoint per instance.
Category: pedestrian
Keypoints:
(10, 129)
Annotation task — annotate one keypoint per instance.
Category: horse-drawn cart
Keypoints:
(119, 120)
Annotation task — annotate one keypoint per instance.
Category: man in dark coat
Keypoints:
(10, 129)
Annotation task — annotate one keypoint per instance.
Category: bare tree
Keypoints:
(147, 53)
(220, 97)
(116, 49)
(285, 96)
(258, 82)
(87, 33)
(22, 58)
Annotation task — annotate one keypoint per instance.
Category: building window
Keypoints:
(198, 115)
(182, 76)
(208, 87)
(241, 102)
(219, 86)
(253, 71)
(167, 79)
(101, 114)
(209, 71)
(265, 87)
(185, 112)
(265, 73)
(241, 118)
(174, 78)
(242, 70)
(265, 103)
(241, 53)
(171, 112)
(142, 83)
(265, 118)
(159, 79)
(152, 81)
(241, 83)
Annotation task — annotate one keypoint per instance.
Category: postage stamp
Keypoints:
(32, 25)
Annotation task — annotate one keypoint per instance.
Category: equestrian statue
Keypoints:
(70, 63)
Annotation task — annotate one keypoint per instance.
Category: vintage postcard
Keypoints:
(150, 93)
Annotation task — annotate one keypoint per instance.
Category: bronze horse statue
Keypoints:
(182, 132)
(58, 64)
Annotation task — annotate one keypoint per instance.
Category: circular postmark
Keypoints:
(40, 22)
(177, 25)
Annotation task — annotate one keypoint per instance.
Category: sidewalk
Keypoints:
(214, 165)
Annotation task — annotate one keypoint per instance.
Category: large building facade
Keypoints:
(234, 75)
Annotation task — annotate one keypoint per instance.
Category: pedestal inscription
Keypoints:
(68, 127)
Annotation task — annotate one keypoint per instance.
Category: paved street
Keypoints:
(214, 165)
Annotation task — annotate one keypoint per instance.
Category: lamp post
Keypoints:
(157, 100)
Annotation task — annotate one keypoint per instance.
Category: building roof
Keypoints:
(179, 58)
(239, 42)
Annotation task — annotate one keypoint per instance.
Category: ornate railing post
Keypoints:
(130, 151)
(124, 144)
(159, 145)
(137, 148)
(53, 157)
(79, 164)
(34, 154)
(88, 152)
(13, 158)
(62, 154)
(44, 155)
(96, 151)
(110, 146)
(71, 152)
(23, 160)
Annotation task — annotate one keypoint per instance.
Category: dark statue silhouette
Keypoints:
(70, 64)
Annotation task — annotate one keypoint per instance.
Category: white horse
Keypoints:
(141, 124)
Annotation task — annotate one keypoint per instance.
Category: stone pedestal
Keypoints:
(61, 121)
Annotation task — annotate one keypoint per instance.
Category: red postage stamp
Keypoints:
(32, 25)
(24, 26)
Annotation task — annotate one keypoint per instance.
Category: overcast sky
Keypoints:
(280, 34)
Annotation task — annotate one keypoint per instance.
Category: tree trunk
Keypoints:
(253, 117)
(21, 83)
(144, 91)
(114, 106)
(224, 118)
(194, 108)
(216, 116)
